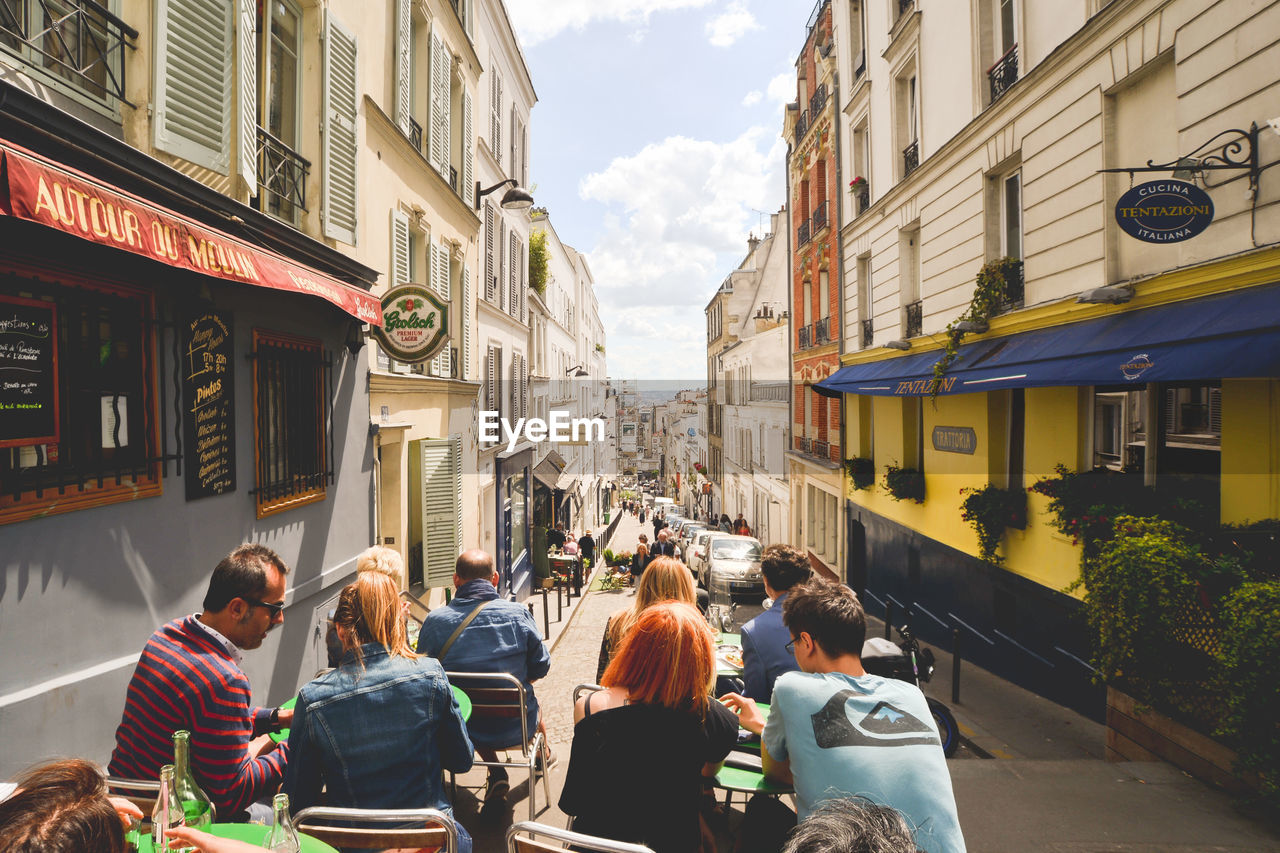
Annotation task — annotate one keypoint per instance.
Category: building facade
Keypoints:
(1011, 130)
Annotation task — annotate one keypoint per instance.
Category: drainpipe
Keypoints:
(844, 434)
(791, 361)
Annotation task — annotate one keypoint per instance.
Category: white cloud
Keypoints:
(782, 89)
(730, 25)
(539, 20)
(679, 207)
(752, 98)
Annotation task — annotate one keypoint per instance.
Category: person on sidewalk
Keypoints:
(835, 731)
(665, 579)
(479, 632)
(765, 655)
(555, 537)
(587, 548)
(740, 526)
(664, 546)
(639, 559)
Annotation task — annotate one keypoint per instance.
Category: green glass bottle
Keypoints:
(196, 805)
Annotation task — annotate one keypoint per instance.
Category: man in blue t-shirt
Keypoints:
(835, 731)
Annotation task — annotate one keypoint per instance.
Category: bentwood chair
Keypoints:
(365, 829)
(506, 699)
(525, 837)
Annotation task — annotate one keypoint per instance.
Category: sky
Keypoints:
(657, 149)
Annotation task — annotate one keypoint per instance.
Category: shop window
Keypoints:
(292, 421)
(106, 447)
(1188, 440)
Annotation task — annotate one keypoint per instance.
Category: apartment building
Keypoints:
(1006, 129)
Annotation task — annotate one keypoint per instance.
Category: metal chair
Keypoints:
(584, 688)
(437, 829)
(523, 838)
(141, 792)
(488, 701)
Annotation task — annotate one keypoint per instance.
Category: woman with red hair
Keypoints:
(642, 746)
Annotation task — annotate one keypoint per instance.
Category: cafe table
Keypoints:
(724, 666)
(464, 705)
(253, 833)
(569, 565)
(748, 780)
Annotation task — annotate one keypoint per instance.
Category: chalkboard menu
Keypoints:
(208, 404)
(28, 372)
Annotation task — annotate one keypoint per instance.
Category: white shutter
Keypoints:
(398, 271)
(495, 112)
(524, 283)
(512, 142)
(441, 63)
(468, 18)
(193, 94)
(441, 508)
(247, 70)
(464, 369)
(490, 366)
(524, 387)
(338, 173)
(499, 268)
(490, 279)
(468, 147)
(403, 68)
(515, 385)
(438, 259)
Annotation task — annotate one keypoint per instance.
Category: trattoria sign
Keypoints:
(1166, 211)
(415, 324)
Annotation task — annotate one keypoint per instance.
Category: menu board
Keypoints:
(208, 405)
(28, 372)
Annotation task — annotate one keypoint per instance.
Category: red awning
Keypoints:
(38, 190)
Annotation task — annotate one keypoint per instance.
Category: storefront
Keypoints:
(514, 511)
(178, 377)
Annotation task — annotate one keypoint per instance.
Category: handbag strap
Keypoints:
(448, 644)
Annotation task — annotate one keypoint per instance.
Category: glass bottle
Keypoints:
(197, 809)
(168, 809)
(282, 837)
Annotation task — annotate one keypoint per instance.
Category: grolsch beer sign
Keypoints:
(1164, 211)
(415, 324)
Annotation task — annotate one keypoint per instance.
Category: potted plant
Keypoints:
(904, 483)
(989, 510)
(858, 184)
(861, 471)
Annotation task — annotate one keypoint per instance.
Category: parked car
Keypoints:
(687, 533)
(731, 568)
(697, 550)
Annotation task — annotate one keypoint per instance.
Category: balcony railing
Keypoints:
(802, 127)
(867, 334)
(822, 331)
(862, 198)
(802, 444)
(818, 101)
(910, 157)
(453, 178)
(819, 218)
(282, 178)
(79, 41)
(813, 17)
(802, 233)
(415, 134)
(770, 392)
(821, 449)
(1004, 73)
(804, 337)
(915, 319)
(1014, 287)
(860, 64)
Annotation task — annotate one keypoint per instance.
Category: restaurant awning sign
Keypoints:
(415, 323)
(1165, 211)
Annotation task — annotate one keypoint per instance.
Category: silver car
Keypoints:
(731, 568)
(696, 552)
(687, 532)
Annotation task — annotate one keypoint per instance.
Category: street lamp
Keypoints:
(516, 198)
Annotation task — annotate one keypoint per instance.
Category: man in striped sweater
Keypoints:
(189, 677)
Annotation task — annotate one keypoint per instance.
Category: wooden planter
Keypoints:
(1139, 733)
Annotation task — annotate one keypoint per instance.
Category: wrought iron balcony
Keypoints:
(802, 234)
(818, 101)
(822, 331)
(819, 218)
(282, 178)
(821, 449)
(802, 127)
(1014, 287)
(910, 157)
(860, 64)
(1004, 73)
(862, 197)
(415, 133)
(79, 41)
(915, 319)
(802, 444)
(867, 334)
(804, 337)
(453, 178)
(813, 17)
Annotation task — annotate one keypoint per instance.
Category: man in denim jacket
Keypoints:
(502, 638)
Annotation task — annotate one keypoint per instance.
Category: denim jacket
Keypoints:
(502, 638)
(377, 736)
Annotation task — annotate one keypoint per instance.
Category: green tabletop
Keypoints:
(253, 833)
(464, 705)
(753, 745)
(749, 781)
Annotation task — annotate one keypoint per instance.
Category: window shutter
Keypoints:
(524, 156)
(512, 142)
(524, 387)
(441, 508)
(524, 283)
(398, 271)
(468, 18)
(513, 276)
(499, 271)
(468, 147)
(440, 68)
(515, 385)
(193, 95)
(1170, 410)
(1215, 411)
(339, 167)
(247, 71)
(404, 36)
(490, 388)
(439, 260)
(467, 308)
(490, 278)
(495, 112)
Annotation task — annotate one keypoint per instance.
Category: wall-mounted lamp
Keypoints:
(355, 337)
(974, 327)
(516, 198)
(897, 345)
(1112, 294)
(576, 370)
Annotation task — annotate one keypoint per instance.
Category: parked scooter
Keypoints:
(906, 661)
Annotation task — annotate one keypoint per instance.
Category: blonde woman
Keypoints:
(378, 729)
(664, 579)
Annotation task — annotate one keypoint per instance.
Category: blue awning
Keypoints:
(1230, 335)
